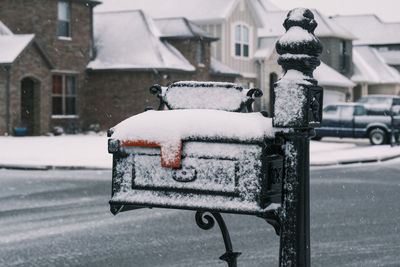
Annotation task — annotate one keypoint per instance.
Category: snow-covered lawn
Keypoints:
(91, 151)
(66, 150)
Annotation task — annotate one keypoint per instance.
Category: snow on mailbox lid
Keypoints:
(205, 95)
(167, 129)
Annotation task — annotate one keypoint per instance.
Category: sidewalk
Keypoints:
(55, 152)
(90, 152)
(336, 151)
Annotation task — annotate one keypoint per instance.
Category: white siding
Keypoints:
(216, 31)
(246, 66)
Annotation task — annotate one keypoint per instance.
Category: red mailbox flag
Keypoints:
(167, 160)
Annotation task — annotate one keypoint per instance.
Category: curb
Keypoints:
(49, 167)
(80, 168)
(348, 162)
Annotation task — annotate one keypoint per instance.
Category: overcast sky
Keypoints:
(387, 10)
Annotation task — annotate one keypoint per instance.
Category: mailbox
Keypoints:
(205, 149)
(198, 153)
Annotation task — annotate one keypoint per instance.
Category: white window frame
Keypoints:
(64, 96)
(242, 42)
(200, 53)
(67, 20)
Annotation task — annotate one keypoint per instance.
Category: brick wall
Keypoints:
(30, 64)
(69, 55)
(115, 96)
(188, 48)
(331, 55)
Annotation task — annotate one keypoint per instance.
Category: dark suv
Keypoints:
(353, 120)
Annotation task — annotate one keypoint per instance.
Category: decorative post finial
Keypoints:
(298, 99)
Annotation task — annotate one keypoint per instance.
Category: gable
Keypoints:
(243, 12)
(195, 10)
(11, 46)
(137, 47)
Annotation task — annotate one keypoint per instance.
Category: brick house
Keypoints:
(233, 22)
(376, 54)
(54, 77)
(20, 83)
(80, 63)
(247, 32)
(63, 33)
(131, 59)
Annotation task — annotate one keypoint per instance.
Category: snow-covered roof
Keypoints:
(326, 28)
(11, 46)
(391, 57)
(217, 67)
(196, 10)
(4, 30)
(200, 11)
(370, 67)
(265, 5)
(181, 28)
(369, 29)
(327, 76)
(130, 40)
(266, 45)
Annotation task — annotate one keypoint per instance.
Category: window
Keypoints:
(359, 111)
(330, 110)
(342, 56)
(64, 95)
(200, 54)
(64, 29)
(241, 41)
(346, 112)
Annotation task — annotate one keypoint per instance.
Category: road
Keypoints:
(61, 218)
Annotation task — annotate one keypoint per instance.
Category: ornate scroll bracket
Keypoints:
(273, 218)
(252, 94)
(206, 222)
(156, 90)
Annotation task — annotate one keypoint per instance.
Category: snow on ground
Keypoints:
(91, 151)
(63, 151)
(353, 154)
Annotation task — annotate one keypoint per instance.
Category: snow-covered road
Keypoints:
(62, 218)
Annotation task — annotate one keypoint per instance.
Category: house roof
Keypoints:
(177, 28)
(133, 47)
(370, 30)
(266, 5)
(273, 21)
(266, 45)
(199, 11)
(90, 2)
(4, 30)
(219, 68)
(370, 67)
(12, 45)
(391, 57)
(195, 10)
(327, 76)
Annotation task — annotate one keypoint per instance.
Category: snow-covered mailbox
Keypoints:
(207, 152)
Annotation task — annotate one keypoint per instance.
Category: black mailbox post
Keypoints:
(298, 105)
(206, 150)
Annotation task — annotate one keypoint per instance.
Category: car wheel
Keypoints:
(377, 136)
